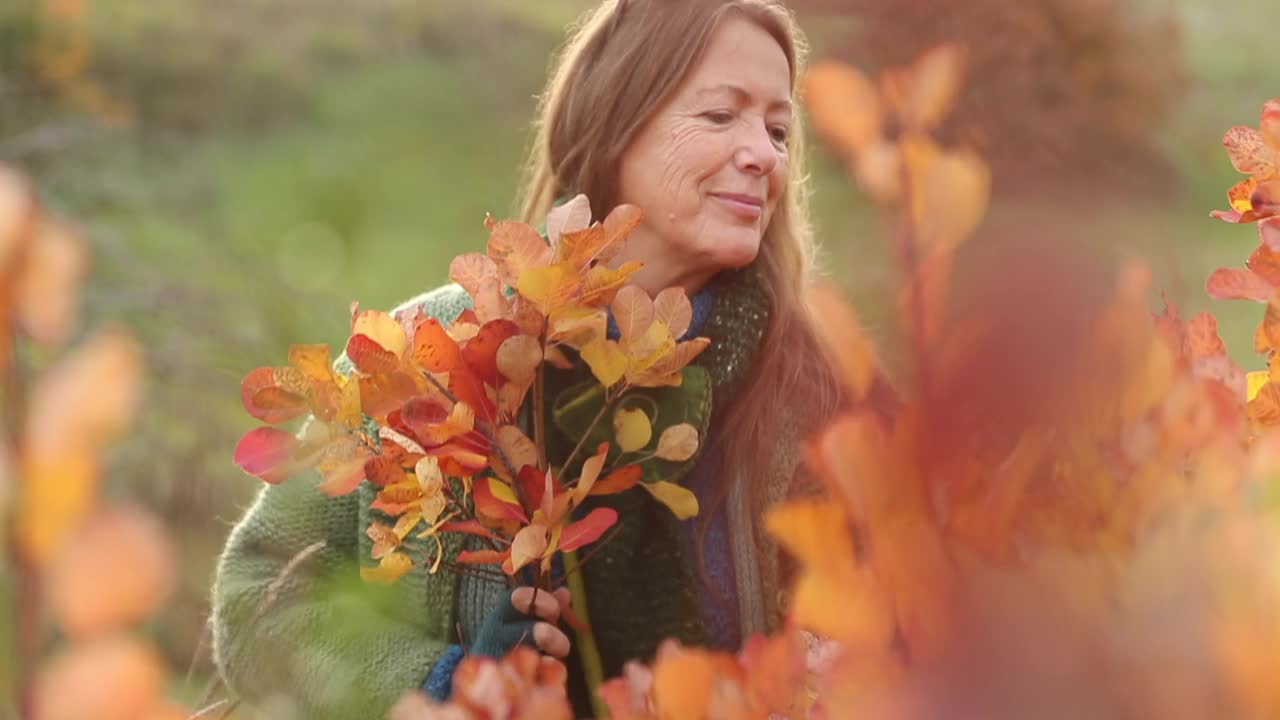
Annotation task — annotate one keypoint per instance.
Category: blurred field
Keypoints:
(277, 159)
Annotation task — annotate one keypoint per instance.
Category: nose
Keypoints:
(756, 153)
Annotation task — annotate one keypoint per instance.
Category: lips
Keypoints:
(748, 208)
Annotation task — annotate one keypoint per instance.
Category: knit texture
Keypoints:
(335, 647)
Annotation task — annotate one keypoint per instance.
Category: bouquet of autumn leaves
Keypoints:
(435, 416)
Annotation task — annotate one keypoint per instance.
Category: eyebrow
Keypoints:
(741, 93)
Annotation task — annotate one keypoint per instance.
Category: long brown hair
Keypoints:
(623, 61)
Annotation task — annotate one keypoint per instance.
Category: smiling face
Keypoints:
(709, 168)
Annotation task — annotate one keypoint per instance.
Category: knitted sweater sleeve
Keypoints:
(295, 629)
(296, 632)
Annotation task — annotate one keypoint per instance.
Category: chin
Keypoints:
(736, 249)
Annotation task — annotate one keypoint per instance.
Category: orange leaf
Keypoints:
(382, 394)
(633, 311)
(619, 224)
(588, 529)
(1238, 284)
(274, 395)
(47, 289)
(433, 349)
(672, 307)
(591, 468)
(383, 471)
(527, 546)
(117, 677)
(471, 270)
(844, 340)
(1269, 123)
(371, 358)
(314, 361)
(624, 478)
(1249, 153)
(342, 478)
(483, 557)
(516, 248)
(117, 569)
(468, 527)
(844, 105)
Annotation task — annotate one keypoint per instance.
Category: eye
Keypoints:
(719, 117)
(780, 134)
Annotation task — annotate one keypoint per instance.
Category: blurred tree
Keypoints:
(1061, 90)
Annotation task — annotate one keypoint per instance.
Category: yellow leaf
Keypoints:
(577, 325)
(391, 568)
(503, 492)
(678, 443)
(648, 350)
(314, 361)
(680, 500)
(548, 287)
(383, 329)
(631, 429)
(350, 413)
(601, 283)
(430, 477)
(406, 524)
(606, 360)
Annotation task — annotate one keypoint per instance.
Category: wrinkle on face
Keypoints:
(710, 138)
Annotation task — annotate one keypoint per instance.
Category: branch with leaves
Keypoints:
(429, 414)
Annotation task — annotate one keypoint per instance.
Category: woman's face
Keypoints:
(709, 167)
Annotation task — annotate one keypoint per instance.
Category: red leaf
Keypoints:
(460, 458)
(265, 452)
(481, 351)
(468, 527)
(588, 529)
(624, 478)
(1238, 284)
(499, 508)
(467, 387)
(483, 557)
(433, 349)
(419, 414)
(369, 357)
(266, 399)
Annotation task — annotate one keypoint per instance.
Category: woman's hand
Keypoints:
(525, 619)
(547, 637)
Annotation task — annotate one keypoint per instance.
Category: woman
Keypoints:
(686, 109)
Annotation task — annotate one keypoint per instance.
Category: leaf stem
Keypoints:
(608, 401)
(589, 652)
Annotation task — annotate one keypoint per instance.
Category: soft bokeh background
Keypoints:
(245, 169)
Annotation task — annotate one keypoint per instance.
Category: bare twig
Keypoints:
(273, 590)
(608, 401)
(597, 547)
(209, 710)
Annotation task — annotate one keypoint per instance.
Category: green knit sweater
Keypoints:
(298, 634)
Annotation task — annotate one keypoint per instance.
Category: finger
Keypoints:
(551, 671)
(545, 606)
(551, 640)
(564, 596)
